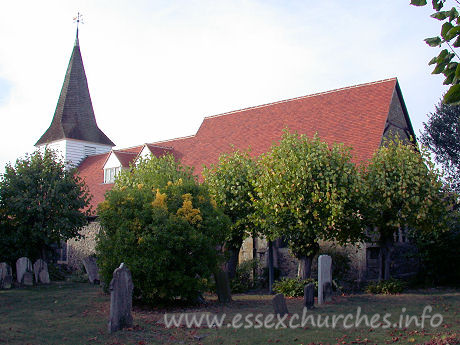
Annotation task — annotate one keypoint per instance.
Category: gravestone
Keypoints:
(7, 282)
(23, 265)
(44, 277)
(324, 278)
(121, 299)
(279, 305)
(28, 278)
(92, 270)
(41, 272)
(309, 295)
(223, 286)
(6, 276)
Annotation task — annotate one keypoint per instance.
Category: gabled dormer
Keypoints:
(116, 162)
(149, 150)
(73, 132)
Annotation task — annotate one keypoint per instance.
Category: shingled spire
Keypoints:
(74, 116)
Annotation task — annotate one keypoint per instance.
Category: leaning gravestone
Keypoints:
(23, 265)
(279, 305)
(41, 272)
(223, 286)
(121, 299)
(6, 276)
(324, 278)
(92, 270)
(309, 295)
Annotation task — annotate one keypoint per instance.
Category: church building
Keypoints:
(360, 116)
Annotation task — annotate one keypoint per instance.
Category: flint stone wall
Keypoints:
(77, 250)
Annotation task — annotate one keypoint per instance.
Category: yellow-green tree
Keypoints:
(230, 183)
(308, 191)
(401, 189)
(164, 226)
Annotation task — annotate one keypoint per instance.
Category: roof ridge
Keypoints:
(161, 147)
(168, 140)
(121, 151)
(302, 97)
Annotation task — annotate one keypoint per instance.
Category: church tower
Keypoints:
(73, 132)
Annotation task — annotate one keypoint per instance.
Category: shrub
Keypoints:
(163, 225)
(243, 280)
(439, 254)
(56, 272)
(386, 287)
(292, 287)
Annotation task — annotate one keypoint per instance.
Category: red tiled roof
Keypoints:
(355, 116)
(125, 157)
(159, 150)
(90, 170)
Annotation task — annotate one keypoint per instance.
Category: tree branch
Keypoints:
(453, 51)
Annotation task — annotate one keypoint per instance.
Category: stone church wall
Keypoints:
(79, 249)
(364, 259)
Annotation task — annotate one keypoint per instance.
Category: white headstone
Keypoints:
(23, 265)
(324, 278)
(41, 272)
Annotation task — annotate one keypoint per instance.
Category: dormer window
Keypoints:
(110, 174)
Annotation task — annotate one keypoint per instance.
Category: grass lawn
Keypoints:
(77, 313)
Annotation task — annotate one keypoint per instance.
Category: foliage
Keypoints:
(442, 137)
(386, 287)
(243, 280)
(439, 254)
(230, 183)
(450, 36)
(293, 287)
(41, 204)
(308, 191)
(57, 272)
(163, 225)
(402, 188)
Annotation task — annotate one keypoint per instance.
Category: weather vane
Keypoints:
(78, 19)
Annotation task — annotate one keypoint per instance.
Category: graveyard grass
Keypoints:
(77, 313)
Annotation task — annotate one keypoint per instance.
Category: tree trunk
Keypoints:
(271, 270)
(254, 256)
(386, 249)
(232, 262)
(304, 271)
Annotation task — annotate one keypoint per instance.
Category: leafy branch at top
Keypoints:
(450, 35)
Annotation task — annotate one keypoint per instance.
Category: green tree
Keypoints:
(163, 224)
(308, 191)
(449, 36)
(230, 183)
(442, 137)
(402, 189)
(41, 204)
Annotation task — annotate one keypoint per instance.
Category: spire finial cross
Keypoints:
(78, 19)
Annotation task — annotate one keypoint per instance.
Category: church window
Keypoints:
(110, 174)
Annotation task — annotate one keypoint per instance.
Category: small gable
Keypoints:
(398, 121)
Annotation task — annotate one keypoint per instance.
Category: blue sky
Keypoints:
(156, 68)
